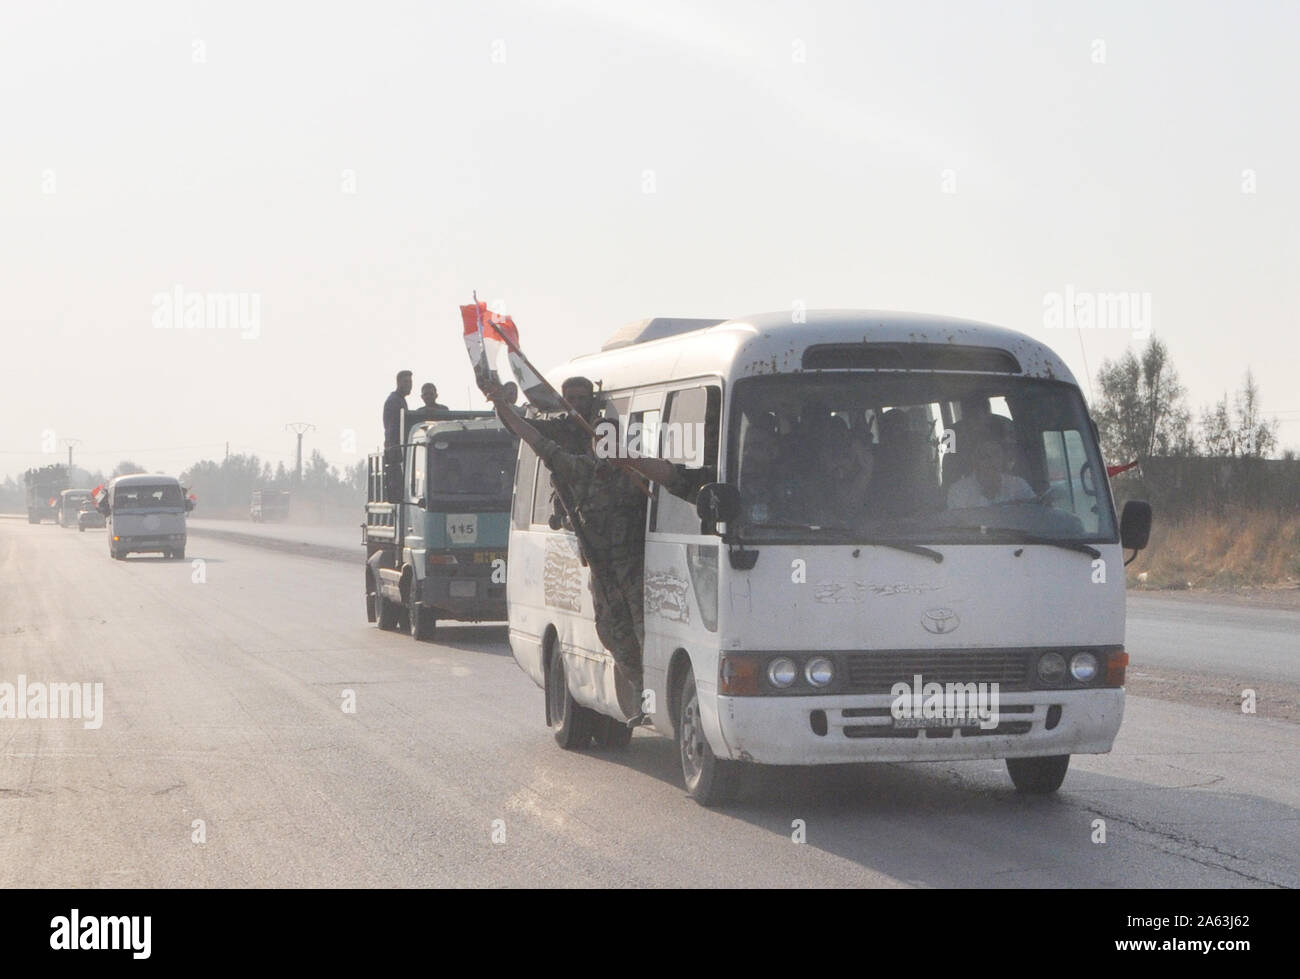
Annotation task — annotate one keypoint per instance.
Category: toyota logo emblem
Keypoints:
(940, 621)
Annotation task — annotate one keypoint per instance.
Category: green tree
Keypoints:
(1141, 411)
(1239, 431)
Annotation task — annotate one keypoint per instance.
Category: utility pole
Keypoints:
(299, 428)
(70, 443)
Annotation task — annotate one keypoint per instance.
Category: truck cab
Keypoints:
(439, 550)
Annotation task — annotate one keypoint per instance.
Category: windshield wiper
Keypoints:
(855, 538)
(1025, 537)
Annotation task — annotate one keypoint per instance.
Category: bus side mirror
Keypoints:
(1135, 525)
(716, 503)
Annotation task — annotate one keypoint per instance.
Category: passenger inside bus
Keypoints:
(990, 481)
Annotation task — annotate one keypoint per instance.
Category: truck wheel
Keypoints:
(570, 722)
(385, 612)
(1038, 776)
(179, 553)
(609, 732)
(710, 780)
(422, 622)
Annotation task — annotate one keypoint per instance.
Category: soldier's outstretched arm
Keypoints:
(511, 419)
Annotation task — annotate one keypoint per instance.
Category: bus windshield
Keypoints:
(141, 497)
(934, 457)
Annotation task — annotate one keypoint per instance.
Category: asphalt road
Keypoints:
(223, 691)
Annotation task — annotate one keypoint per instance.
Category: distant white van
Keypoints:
(910, 553)
(145, 512)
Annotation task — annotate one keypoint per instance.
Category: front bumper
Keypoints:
(465, 598)
(858, 728)
(153, 542)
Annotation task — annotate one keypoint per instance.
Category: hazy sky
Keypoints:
(357, 169)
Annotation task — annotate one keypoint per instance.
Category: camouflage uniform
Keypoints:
(611, 509)
(571, 437)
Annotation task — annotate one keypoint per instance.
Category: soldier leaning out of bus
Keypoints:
(569, 434)
(610, 507)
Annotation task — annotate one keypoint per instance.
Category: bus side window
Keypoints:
(689, 435)
(542, 497)
(525, 473)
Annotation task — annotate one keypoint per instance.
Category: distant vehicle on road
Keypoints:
(146, 512)
(70, 504)
(440, 551)
(88, 516)
(269, 505)
(43, 488)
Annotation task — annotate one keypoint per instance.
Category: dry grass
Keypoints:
(1238, 549)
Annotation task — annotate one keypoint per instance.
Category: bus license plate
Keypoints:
(917, 722)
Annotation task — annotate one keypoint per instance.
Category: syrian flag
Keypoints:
(486, 332)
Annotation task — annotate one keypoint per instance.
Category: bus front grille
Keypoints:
(878, 671)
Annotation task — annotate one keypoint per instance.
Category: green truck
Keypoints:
(43, 488)
(438, 551)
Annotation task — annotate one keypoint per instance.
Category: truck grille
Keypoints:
(877, 671)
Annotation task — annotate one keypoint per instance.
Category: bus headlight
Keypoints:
(1083, 667)
(819, 672)
(782, 671)
(1051, 667)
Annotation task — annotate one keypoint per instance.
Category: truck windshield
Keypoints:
(147, 497)
(463, 468)
(920, 458)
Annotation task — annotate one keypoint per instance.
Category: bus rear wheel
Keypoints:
(1038, 776)
(571, 723)
(710, 780)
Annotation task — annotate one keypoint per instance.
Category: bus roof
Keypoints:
(826, 339)
(144, 479)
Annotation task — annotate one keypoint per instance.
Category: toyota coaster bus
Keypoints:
(907, 551)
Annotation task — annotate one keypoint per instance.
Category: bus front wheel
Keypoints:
(1038, 776)
(710, 780)
(570, 722)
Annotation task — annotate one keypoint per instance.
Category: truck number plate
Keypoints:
(462, 528)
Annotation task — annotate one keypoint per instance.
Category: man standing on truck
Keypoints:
(393, 407)
(609, 508)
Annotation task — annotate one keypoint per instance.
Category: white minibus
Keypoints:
(906, 550)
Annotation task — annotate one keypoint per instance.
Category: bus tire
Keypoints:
(609, 732)
(570, 723)
(710, 780)
(385, 612)
(1038, 776)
